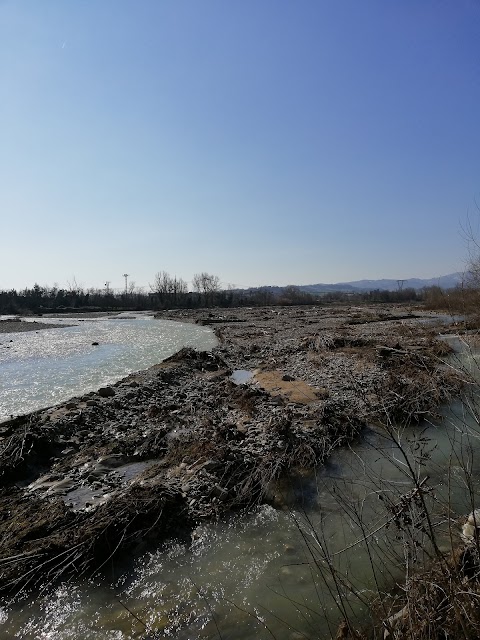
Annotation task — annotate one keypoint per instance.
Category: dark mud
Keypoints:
(166, 448)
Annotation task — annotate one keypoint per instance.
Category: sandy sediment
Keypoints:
(18, 326)
(166, 448)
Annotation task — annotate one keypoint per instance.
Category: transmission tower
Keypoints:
(400, 284)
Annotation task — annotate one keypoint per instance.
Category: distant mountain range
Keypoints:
(445, 282)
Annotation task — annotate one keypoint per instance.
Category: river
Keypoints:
(267, 574)
(45, 367)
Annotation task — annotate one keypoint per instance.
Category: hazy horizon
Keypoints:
(267, 143)
(146, 288)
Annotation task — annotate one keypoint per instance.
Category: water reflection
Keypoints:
(39, 369)
(241, 376)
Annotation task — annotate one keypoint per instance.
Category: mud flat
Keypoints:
(16, 325)
(202, 433)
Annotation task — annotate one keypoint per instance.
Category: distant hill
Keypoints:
(358, 286)
(445, 282)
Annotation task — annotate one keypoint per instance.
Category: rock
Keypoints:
(91, 403)
(287, 378)
(94, 344)
(210, 366)
(391, 623)
(471, 527)
(70, 405)
(211, 465)
(105, 392)
(148, 390)
(219, 492)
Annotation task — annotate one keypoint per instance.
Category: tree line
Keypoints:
(172, 292)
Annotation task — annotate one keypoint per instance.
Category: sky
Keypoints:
(268, 142)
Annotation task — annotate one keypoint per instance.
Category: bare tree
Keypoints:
(470, 232)
(178, 288)
(168, 289)
(161, 285)
(207, 285)
(74, 287)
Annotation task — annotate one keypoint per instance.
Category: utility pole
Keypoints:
(125, 275)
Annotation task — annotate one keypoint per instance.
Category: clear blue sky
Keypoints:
(263, 141)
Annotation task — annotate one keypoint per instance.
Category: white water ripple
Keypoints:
(39, 369)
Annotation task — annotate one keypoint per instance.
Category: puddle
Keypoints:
(85, 497)
(130, 471)
(241, 376)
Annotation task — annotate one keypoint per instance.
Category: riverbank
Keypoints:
(16, 325)
(182, 442)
